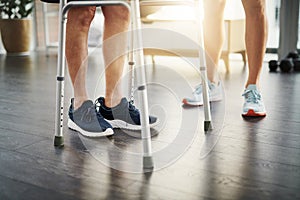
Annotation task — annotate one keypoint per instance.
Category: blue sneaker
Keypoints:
(87, 121)
(254, 105)
(124, 115)
(214, 91)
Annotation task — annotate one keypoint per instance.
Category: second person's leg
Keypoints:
(213, 29)
(214, 33)
(256, 37)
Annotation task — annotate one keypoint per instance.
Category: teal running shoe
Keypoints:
(214, 90)
(254, 105)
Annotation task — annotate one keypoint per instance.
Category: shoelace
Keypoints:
(97, 106)
(252, 96)
(198, 89)
(132, 108)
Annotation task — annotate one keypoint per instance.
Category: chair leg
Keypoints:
(225, 58)
(244, 56)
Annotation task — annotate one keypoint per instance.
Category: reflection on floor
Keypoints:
(240, 159)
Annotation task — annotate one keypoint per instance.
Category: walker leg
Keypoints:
(58, 139)
(203, 69)
(131, 64)
(142, 91)
(148, 162)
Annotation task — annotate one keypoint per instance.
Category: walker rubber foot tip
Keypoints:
(148, 163)
(207, 125)
(59, 141)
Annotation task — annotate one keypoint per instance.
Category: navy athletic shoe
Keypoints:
(87, 121)
(124, 115)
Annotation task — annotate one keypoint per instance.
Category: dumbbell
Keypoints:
(293, 55)
(286, 65)
(296, 60)
(289, 61)
(292, 60)
(273, 65)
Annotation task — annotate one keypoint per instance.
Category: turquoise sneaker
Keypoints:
(254, 105)
(214, 90)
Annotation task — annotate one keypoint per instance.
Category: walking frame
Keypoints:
(134, 7)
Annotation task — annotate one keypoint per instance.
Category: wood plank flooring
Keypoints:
(240, 159)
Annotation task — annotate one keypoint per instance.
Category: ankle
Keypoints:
(112, 102)
(252, 82)
(78, 101)
(215, 82)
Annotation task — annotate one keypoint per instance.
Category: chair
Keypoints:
(134, 7)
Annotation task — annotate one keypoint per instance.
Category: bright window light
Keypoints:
(174, 13)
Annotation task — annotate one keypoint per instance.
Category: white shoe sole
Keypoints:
(75, 127)
(124, 125)
(197, 103)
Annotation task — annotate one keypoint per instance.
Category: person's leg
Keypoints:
(256, 37)
(214, 34)
(114, 107)
(82, 113)
(116, 24)
(78, 24)
(213, 29)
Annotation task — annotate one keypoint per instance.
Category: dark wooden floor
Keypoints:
(240, 159)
